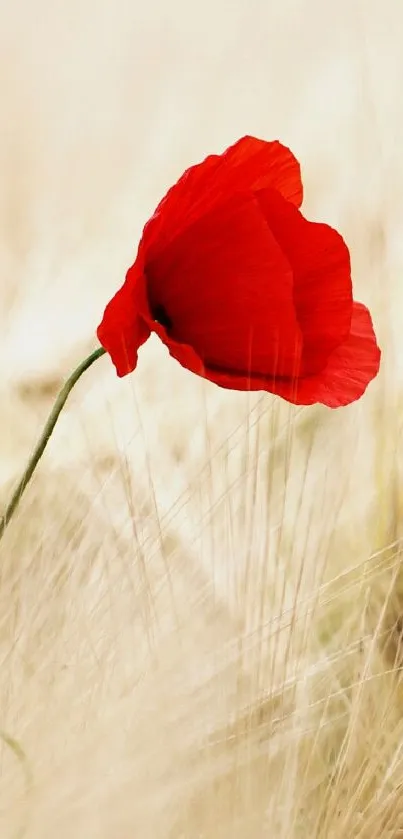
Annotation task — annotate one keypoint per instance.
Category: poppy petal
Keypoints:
(250, 164)
(226, 288)
(258, 164)
(183, 353)
(349, 370)
(322, 278)
(123, 328)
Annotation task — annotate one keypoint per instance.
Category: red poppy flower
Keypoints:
(242, 289)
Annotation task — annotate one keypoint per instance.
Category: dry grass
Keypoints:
(201, 597)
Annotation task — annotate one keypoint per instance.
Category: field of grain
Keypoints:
(201, 596)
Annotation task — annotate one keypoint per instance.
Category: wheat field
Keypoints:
(201, 596)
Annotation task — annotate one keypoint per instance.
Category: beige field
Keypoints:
(201, 597)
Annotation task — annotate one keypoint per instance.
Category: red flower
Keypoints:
(242, 289)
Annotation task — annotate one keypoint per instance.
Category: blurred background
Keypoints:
(201, 596)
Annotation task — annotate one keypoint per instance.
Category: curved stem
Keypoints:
(45, 436)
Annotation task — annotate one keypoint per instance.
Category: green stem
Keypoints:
(45, 436)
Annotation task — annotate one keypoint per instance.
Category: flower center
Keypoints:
(161, 316)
